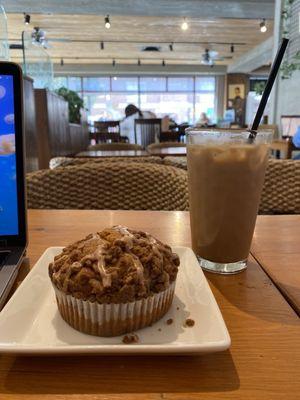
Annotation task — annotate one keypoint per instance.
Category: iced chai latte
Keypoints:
(226, 176)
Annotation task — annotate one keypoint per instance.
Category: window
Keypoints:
(178, 106)
(182, 98)
(205, 102)
(74, 83)
(96, 84)
(109, 106)
(205, 83)
(153, 84)
(179, 84)
(128, 84)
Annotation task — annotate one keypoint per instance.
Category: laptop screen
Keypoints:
(8, 183)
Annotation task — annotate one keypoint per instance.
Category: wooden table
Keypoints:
(113, 153)
(276, 246)
(168, 151)
(262, 363)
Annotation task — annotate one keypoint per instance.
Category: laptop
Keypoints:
(13, 237)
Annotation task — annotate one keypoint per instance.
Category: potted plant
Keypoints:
(75, 104)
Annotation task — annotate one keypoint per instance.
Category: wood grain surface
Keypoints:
(276, 246)
(82, 34)
(262, 363)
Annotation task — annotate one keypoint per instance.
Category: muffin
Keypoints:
(114, 281)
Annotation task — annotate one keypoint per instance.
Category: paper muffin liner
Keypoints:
(113, 319)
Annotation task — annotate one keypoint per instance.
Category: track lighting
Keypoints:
(61, 62)
(26, 19)
(139, 62)
(171, 47)
(113, 62)
(232, 48)
(107, 22)
(262, 25)
(163, 63)
(102, 45)
(184, 25)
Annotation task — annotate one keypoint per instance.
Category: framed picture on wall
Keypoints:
(236, 90)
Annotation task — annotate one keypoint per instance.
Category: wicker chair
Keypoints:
(178, 162)
(281, 192)
(69, 161)
(114, 146)
(109, 185)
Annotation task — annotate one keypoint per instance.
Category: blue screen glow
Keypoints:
(8, 185)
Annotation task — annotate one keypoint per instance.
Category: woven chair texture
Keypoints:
(114, 146)
(178, 162)
(109, 185)
(281, 191)
(68, 161)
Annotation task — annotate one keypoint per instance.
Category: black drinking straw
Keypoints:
(268, 88)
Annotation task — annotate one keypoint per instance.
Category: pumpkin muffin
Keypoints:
(114, 281)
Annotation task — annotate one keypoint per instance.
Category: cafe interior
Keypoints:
(145, 143)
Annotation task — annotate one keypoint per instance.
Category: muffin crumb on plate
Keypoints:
(130, 338)
(189, 322)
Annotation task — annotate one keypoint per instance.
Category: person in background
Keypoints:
(296, 141)
(132, 112)
(203, 121)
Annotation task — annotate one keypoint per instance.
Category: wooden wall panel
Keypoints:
(52, 126)
(56, 137)
(31, 145)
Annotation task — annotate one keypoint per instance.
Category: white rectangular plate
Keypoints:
(30, 322)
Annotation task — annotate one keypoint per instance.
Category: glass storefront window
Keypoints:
(205, 83)
(128, 84)
(205, 102)
(96, 84)
(180, 84)
(109, 106)
(153, 84)
(178, 106)
(182, 98)
(74, 83)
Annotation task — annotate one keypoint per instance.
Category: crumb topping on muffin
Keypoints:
(117, 265)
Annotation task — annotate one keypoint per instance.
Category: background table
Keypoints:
(276, 246)
(262, 363)
(113, 153)
(168, 151)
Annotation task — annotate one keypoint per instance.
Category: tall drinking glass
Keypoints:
(225, 177)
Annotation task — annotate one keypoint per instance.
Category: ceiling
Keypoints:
(76, 38)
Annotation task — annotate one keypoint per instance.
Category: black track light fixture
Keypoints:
(62, 62)
(171, 46)
(139, 62)
(113, 62)
(107, 22)
(232, 48)
(26, 19)
(102, 45)
(163, 63)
